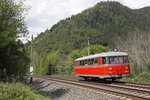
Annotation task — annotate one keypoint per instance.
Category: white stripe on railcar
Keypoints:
(103, 54)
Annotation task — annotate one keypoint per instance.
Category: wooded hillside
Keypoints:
(106, 24)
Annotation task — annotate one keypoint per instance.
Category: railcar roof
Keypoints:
(103, 54)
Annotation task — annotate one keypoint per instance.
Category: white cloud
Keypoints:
(45, 13)
(135, 4)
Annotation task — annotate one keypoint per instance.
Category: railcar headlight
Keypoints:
(126, 67)
(110, 69)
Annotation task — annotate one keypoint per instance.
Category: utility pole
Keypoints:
(31, 56)
(40, 67)
(31, 62)
(88, 46)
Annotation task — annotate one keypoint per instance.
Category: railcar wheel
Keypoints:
(113, 79)
(95, 78)
(85, 78)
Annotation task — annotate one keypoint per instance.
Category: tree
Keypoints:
(13, 59)
(137, 45)
(12, 21)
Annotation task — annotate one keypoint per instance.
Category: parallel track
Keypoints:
(126, 91)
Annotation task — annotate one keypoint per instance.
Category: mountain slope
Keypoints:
(145, 11)
(102, 23)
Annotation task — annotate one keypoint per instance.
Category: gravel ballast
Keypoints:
(61, 91)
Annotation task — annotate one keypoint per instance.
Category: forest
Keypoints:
(108, 25)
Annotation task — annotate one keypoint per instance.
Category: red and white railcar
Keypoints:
(107, 65)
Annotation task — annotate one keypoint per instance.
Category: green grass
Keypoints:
(139, 78)
(18, 91)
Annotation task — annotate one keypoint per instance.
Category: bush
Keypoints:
(143, 77)
(18, 91)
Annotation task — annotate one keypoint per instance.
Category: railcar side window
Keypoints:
(81, 63)
(89, 62)
(77, 63)
(103, 60)
(92, 61)
(86, 62)
(96, 61)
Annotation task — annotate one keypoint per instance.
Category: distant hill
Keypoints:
(102, 23)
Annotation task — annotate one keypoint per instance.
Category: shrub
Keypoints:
(143, 77)
(18, 91)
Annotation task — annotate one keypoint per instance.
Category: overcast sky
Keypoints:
(45, 13)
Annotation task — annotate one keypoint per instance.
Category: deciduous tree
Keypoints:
(13, 60)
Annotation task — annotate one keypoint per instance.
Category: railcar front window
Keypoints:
(121, 61)
(113, 60)
(125, 59)
(118, 60)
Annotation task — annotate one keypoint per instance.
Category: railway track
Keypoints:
(123, 91)
(144, 88)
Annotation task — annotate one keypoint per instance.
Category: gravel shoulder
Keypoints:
(60, 91)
